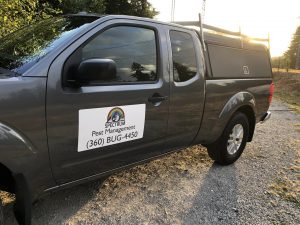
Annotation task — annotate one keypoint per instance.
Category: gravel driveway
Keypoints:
(187, 188)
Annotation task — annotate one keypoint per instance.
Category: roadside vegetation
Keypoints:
(287, 184)
(18, 13)
(287, 87)
(291, 58)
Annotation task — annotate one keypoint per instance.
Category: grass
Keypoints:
(287, 189)
(291, 71)
(287, 87)
(287, 184)
(6, 198)
(297, 127)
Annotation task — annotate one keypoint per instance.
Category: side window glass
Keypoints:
(184, 56)
(132, 48)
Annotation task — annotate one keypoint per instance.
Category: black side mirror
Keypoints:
(96, 70)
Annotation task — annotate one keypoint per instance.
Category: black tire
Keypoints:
(1, 214)
(222, 151)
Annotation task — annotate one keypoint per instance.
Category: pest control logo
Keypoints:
(115, 118)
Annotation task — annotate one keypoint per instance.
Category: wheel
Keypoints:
(229, 147)
(1, 213)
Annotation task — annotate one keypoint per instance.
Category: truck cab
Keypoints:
(84, 96)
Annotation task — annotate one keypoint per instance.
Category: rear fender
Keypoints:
(213, 127)
(235, 102)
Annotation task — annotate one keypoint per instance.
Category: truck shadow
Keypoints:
(57, 207)
(216, 200)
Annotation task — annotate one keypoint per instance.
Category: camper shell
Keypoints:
(249, 56)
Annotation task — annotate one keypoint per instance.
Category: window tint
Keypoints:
(132, 48)
(184, 56)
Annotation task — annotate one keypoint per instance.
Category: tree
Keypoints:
(75, 6)
(17, 13)
(140, 73)
(140, 8)
(293, 52)
(127, 7)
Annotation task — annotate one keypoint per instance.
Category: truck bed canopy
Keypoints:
(219, 36)
(249, 57)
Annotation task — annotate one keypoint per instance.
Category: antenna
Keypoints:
(203, 9)
(242, 38)
(202, 32)
(173, 11)
(201, 19)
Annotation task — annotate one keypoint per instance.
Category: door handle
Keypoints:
(156, 99)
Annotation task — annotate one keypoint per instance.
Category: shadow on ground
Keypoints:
(58, 207)
(216, 199)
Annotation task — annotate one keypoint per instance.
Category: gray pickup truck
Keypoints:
(84, 96)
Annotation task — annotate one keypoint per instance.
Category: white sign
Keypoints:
(101, 127)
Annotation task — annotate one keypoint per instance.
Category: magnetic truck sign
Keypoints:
(99, 127)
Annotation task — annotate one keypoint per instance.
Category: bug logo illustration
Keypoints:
(115, 118)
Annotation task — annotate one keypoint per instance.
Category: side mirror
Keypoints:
(96, 70)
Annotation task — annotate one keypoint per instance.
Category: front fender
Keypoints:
(23, 159)
(23, 137)
(15, 148)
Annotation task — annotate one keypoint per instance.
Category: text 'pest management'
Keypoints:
(99, 127)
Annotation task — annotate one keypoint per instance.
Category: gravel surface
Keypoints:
(262, 187)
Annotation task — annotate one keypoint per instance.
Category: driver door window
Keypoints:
(133, 49)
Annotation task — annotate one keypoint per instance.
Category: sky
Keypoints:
(256, 18)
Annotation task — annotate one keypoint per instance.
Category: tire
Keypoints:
(230, 146)
(1, 214)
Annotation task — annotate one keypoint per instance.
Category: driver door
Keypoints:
(84, 120)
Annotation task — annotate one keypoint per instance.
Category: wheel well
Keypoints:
(16, 184)
(248, 111)
(6, 179)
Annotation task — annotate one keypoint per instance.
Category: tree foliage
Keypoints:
(126, 7)
(292, 53)
(17, 13)
(75, 6)
(140, 8)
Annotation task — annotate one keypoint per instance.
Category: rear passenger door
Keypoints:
(187, 87)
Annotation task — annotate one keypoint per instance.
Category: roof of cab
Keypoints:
(209, 38)
(85, 14)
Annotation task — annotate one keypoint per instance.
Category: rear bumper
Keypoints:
(265, 117)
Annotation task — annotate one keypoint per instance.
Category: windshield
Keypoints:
(23, 48)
